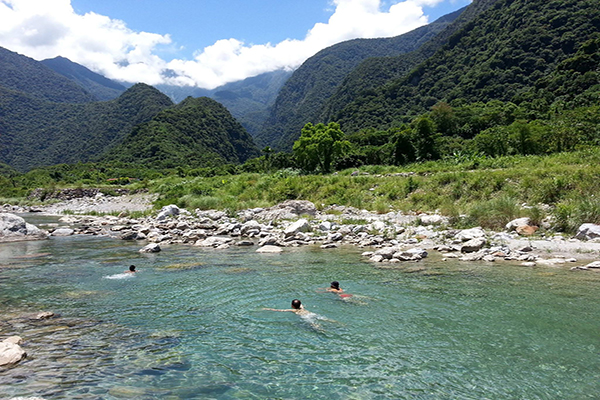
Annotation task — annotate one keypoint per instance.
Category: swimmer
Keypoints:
(297, 308)
(335, 287)
(131, 270)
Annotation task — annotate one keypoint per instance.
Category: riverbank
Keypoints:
(389, 238)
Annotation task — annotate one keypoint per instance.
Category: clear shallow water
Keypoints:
(190, 325)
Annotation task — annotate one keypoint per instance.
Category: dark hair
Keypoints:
(132, 268)
(296, 304)
(335, 285)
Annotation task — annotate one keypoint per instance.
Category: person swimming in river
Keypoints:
(335, 288)
(297, 308)
(131, 270)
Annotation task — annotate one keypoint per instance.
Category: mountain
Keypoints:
(248, 100)
(198, 132)
(501, 54)
(99, 86)
(302, 98)
(377, 71)
(32, 78)
(40, 133)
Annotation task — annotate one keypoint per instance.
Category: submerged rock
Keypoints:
(269, 249)
(10, 351)
(151, 248)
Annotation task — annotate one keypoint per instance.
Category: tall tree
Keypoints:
(319, 145)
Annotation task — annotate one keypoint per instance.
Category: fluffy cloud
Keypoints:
(48, 28)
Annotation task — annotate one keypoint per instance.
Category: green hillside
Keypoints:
(38, 133)
(102, 88)
(24, 74)
(376, 71)
(198, 132)
(500, 55)
(302, 98)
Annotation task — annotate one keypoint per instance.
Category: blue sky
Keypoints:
(203, 43)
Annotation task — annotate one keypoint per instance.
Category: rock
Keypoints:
(130, 235)
(512, 225)
(595, 264)
(151, 248)
(245, 243)
(378, 226)
(168, 211)
(529, 264)
(268, 241)
(468, 234)
(14, 228)
(13, 340)
(10, 353)
(386, 253)
(269, 249)
(288, 210)
(435, 219)
(301, 225)
(325, 226)
(588, 232)
(213, 241)
(473, 245)
(330, 246)
(489, 258)
(526, 230)
(44, 315)
(376, 258)
(551, 261)
(63, 232)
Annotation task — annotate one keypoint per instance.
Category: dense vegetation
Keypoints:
(195, 133)
(99, 86)
(35, 80)
(499, 55)
(37, 133)
(303, 96)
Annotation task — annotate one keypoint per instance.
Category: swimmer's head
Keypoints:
(296, 304)
(132, 268)
(335, 285)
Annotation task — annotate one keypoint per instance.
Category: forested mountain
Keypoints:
(34, 79)
(100, 87)
(377, 71)
(502, 54)
(198, 132)
(38, 133)
(248, 100)
(302, 98)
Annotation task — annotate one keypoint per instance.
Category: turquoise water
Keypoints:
(190, 325)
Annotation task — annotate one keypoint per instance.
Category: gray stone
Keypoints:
(301, 225)
(325, 226)
(44, 315)
(168, 211)
(330, 246)
(151, 248)
(435, 219)
(63, 232)
(213, 241)
(512, 225)
(468, 234)
(269, 249)
(473, 245)
(14, 228)
(588, 232)
(245, 243)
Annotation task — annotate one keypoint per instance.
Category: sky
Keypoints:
(202, 43)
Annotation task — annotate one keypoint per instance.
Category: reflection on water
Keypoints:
(190, 325)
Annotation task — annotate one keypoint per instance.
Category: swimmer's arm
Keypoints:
(274, 309)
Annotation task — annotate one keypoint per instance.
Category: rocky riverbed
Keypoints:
(390, 238)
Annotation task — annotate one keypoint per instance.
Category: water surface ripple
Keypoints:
(190, 325)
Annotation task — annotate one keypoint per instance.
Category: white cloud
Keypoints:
(49, 28)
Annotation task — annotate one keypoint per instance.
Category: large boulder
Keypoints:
(168, 211)
(302, 225)
(473, 245)
(468, 234)
(10, 351)
(512, 225)
(14, 228)
(588, 232)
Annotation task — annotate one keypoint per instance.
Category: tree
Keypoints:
(319, 145)
(425, 139)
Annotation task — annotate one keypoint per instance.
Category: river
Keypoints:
(191, 325)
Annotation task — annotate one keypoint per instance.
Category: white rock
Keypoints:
(151, 248)
(168, 211)
(301, 225)
(588, 232)
(14, 228)
(595, 264)
(469, 234)
(512, 225)
(10, 353)
(269, 249)
(435, 219)
(473, 245)
(325, 226)
(63, 232)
